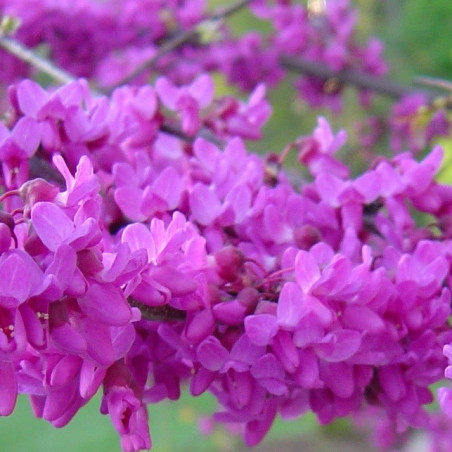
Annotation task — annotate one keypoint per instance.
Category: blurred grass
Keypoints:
(174, 428)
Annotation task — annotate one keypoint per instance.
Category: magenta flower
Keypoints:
(22, 280)
(16, 147)
(187, 101)
(129, 418)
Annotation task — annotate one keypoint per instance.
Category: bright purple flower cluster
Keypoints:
(139, 262)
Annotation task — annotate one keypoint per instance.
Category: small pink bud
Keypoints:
(200, 326)
(306, 236)
(37, 190)
(249, 298)
(229, 262)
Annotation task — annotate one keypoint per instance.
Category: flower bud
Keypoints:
(36, 190)
(249, 298)
(306, 236)
(229, 261)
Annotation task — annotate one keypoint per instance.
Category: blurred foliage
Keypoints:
(425, 36)
(416, 34)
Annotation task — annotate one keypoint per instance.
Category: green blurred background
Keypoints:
(417, 35)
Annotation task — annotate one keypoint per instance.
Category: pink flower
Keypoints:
(126, 410)
(187, 101)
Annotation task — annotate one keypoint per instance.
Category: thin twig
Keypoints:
(203, 133)
(361, 80)
(180, 39)
(28, 56)
(434, 82)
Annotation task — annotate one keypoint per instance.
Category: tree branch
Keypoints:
(380, 85)
(180, 39)
(28, 56)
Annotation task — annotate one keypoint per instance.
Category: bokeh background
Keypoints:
(418, 38)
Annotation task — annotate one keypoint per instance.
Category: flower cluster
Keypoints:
(139, 261)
